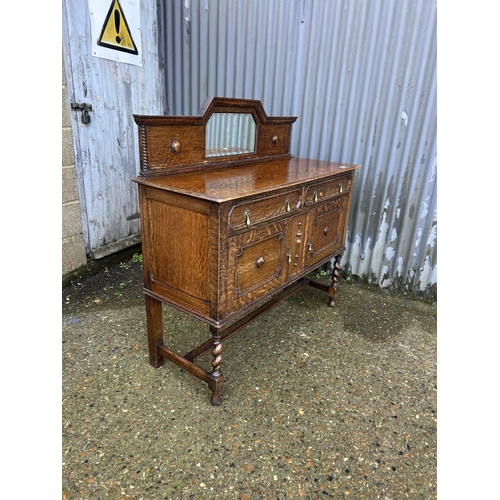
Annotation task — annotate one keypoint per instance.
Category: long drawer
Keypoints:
(249, 214)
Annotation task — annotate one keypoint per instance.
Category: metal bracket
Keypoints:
(81, 106)
(85, 108)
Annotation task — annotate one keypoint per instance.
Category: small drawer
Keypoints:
(327, 189)
(254, 212)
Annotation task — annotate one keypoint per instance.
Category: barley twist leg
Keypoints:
(332, 290)
(217, 379)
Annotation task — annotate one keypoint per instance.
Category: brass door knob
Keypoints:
(259, 262)
(176, 146)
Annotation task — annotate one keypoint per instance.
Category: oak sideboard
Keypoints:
(231, 223)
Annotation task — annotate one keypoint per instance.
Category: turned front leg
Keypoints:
(155, 330)
(216, 380)
(332, 290)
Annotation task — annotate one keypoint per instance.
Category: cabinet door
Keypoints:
(256, 260)
(326, 230)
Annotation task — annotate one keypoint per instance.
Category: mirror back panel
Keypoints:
(226, 131)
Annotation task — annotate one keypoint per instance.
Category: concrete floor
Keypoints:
(318, 402)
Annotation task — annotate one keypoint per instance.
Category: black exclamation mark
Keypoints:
(117, 25)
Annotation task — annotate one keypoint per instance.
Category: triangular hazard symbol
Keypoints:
(115, 32)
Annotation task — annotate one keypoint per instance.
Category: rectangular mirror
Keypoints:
(230, 134)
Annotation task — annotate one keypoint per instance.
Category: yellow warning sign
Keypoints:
(115, 32)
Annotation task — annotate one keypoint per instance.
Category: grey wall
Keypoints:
(361, 77)
(73, 246)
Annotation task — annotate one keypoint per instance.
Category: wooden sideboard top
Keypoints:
(230, 183)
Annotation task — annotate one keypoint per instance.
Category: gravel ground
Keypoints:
(318, 402)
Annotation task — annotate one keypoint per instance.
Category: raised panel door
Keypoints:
(325, 230)
(256, 263)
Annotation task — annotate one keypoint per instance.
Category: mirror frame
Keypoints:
(176, 144)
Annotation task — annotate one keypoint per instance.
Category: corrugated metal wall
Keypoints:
(360, 76)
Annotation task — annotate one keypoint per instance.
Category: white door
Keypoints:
(110, 76)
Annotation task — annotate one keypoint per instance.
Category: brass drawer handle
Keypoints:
(259, 262)
(315, 195)
(340, 188)
(287, 205)
(310, 247)
(325, 231)
(246, 213)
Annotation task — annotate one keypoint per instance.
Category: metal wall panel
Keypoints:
(361, 78)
